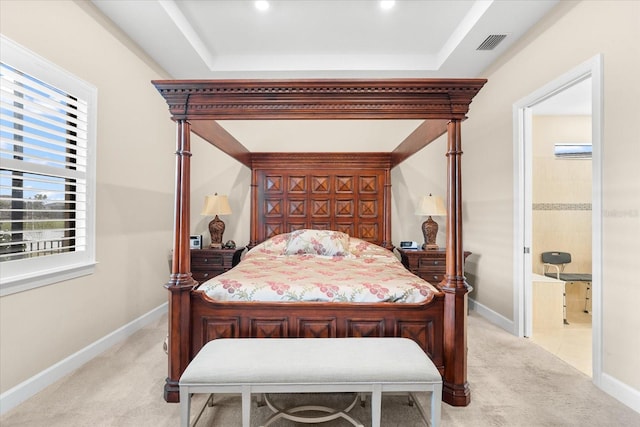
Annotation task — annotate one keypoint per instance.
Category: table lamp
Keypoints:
(430, 206)
(216, 205)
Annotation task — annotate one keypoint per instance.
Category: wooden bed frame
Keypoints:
(348, 192)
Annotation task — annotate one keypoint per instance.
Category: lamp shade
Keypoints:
(431, 206)
(216, 205)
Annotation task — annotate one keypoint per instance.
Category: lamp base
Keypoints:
(429, 231)
(216, 229)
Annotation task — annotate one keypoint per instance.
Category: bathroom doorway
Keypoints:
(561, 171)
(558, 208)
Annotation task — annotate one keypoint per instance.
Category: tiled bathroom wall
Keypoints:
(561, 192)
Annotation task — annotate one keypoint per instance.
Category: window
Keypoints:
(47, 172)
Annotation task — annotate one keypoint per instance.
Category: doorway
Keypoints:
(561, 176)
(587, 76)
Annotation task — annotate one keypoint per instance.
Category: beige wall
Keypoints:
(212, 171)
(421, 174)
(38, 328)
(556, 46)
(561, 192)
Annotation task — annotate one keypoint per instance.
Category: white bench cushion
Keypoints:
(310, 360)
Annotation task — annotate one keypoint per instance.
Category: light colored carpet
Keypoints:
(513, 383)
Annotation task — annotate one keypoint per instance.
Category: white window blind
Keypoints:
(47, 145)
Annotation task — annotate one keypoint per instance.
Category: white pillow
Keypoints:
(318, 242)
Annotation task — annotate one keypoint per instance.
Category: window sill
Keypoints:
(26, 283)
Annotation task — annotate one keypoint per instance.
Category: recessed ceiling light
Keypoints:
(262, 5)
(387, 4)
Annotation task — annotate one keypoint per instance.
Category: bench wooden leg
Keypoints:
(376, 405)
(436, 405)
(246, 406)
(363, 399)
(185, 406)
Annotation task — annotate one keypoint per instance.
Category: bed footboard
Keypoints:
(210, 320)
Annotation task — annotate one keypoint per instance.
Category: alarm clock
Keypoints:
(408, 245)
(195, 242)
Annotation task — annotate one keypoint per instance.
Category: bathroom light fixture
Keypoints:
(572, 150)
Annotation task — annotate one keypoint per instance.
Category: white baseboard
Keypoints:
(621, 391)
(492, 316)
(23, 391)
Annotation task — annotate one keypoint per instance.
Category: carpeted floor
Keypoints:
(513, 383)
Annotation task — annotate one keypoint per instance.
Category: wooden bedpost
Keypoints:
(180, 282)
(456, 390)
(253, 226)
(386, 233)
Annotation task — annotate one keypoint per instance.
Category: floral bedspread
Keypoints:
(366, 273)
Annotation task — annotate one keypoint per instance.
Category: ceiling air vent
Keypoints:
(491, 42)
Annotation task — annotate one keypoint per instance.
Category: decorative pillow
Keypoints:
(275, 245)
(318, 242)
(362, 248)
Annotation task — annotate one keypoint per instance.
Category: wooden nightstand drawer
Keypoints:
(431, 263)
(208, 259)
(434, 279)
(203, 276)
(428, 264)
(209, 262)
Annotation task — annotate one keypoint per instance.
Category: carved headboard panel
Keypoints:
(348, 192)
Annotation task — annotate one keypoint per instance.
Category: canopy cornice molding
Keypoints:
(319, 99)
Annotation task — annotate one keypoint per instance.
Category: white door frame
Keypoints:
(523, 201)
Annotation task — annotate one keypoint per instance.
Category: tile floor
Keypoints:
(572, 342)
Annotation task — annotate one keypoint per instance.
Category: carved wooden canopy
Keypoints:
(201, 102)
(319, 99)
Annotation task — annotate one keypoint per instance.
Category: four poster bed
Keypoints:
(347, 193)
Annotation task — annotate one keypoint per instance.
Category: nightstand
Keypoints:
(428, 264)
(209, 262)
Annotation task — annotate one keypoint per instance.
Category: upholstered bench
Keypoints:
(311, 365)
